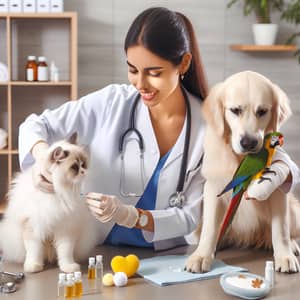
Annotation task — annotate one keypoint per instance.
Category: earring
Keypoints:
(181, 76)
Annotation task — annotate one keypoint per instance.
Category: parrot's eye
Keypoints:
(261, 112)
(236, 110)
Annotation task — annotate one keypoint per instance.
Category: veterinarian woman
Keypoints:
(145, 139)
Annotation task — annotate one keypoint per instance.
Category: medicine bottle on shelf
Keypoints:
(31, 69)
(42, 69)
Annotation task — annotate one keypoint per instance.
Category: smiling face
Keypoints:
(248, 110)
(155, 78)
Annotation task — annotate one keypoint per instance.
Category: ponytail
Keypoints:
(194, 79)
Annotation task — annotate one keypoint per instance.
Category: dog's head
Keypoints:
(245, 107)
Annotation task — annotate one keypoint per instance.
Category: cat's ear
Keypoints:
(59, 154)
(73, 139)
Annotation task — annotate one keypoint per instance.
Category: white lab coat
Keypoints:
(100, 118)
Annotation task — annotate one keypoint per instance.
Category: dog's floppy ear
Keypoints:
(281, 109)
(213, 109)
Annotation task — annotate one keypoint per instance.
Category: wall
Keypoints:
(103, 25)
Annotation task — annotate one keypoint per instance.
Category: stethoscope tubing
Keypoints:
(132, 128)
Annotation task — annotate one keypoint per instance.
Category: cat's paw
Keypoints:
(32, 267)
(69, 268)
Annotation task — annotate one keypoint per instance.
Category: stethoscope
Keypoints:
(176, 199)
(9, 280)
(10, 286)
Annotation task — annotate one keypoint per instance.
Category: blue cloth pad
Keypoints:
(169, 269)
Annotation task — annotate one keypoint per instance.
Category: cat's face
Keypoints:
(68, 162)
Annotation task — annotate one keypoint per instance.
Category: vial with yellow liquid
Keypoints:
(69, 286)
(77, 284)
(92, 268)
(92, 273)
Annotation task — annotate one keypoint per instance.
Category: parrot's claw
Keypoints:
(266, 171)
(262, 178)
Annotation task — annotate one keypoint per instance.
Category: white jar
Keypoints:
(42, 69)
(269, 272)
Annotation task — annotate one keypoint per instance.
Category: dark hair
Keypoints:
(169, 35)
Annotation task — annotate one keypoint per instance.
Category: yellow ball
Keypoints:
(108, 279)
(128, 264)
(118, 264)
(132, 264)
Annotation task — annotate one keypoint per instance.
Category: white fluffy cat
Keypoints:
(37, 223)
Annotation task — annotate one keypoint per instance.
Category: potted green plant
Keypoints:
(264, 30)
(291, 14)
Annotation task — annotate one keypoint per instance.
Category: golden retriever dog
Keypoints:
(245, 106)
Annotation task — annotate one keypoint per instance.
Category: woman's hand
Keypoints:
(109, 208)
(275, 176)
(42, 178)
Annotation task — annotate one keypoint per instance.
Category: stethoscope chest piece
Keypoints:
(8, 287)
(177, 199)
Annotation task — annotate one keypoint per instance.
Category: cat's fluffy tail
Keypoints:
(11, 241)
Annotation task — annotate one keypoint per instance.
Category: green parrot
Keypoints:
(253, 166)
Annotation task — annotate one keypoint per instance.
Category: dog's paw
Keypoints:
(295, 247)
(69, 268)
(198, 264)
(32, 267)
(287, 264)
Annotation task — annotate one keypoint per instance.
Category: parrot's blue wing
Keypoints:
(234, 183)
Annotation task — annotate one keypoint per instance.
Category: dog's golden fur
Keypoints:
(257, 223)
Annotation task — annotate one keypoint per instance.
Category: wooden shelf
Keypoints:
(53, 35)
(21, 15)
(40, 83)
(262, 48)
(6, 152)
(36, 83)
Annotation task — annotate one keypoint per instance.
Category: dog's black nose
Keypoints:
(248, 143)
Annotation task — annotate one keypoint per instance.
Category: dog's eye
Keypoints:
(261, 112)
(237, 111)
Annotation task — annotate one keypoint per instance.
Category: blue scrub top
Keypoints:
(120, 235)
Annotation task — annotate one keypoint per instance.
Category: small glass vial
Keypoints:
(77, 284)
(31, 69)
(61, 285)
(99, 271)
(54, 73)
(92, 268)
(269, 272)
(69, 286)
(42, 69)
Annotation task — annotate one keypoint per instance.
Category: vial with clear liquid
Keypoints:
(99, 271)
(269, 272)
(61, 285)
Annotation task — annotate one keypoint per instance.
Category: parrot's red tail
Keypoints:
(231, 210)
